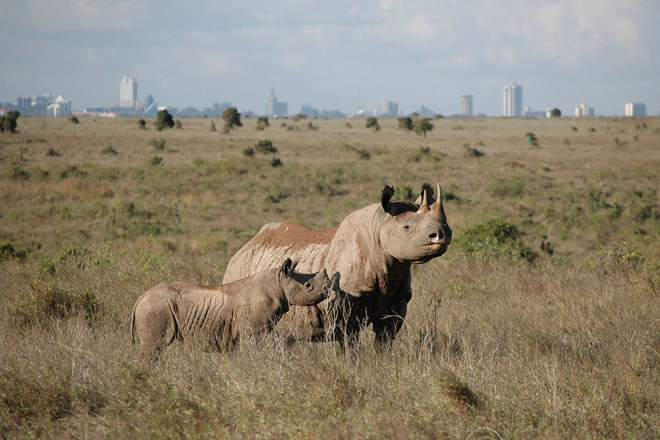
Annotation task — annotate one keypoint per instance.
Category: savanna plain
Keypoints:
(542, 320)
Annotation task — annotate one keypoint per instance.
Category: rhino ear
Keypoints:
(386, 196)
(287, 268)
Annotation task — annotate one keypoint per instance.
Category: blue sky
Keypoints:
(335, 54)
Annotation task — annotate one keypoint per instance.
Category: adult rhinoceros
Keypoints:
(372, 249)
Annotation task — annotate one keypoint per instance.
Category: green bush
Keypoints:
(8, 122)
(495, 237)
(262, 123)
(265, 146)
(405, 123)
(372, 122)
(164, 120)
(232, 119)
(142, 124)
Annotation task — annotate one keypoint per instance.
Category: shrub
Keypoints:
(178, 124)
(212, 126)
(156, 160)
(262, 123)
(472, 152)
(495, 237)
(8, 122)
(364, 154)
(372, 122)
(18, 173)
(249, 151)
(158, 144)
(265, 146)
(232, 119)
(109, 150)
(164, 120)
(311, 126)
(555, 113)
(74, 120)
(405, 123)
(299, 116)
(52, 152)
(142, 124)
(276, 162)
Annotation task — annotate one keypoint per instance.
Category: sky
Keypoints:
(335, 54)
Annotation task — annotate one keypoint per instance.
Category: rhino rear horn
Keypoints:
(428, 191)
(386, 196)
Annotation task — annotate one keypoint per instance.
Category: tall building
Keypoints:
(275, 107)
(635, 109)
(60, 107)
(512, 100)
(466, 105)
(583, 110)
(390, 108)
(128, 92)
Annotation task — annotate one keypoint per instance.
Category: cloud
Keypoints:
(421, 29)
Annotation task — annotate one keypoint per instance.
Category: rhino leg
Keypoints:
(390, 322)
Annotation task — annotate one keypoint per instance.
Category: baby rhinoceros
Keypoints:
(215, 317)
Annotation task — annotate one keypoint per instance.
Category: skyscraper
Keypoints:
(466, 105)
(512, 100)
(635, 109)
(275, 107)
(127, 92)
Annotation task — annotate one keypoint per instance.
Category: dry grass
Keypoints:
(566, 346)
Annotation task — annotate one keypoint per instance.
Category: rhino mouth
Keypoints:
(432, 251)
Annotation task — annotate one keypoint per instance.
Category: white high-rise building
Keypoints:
(128, 92)
(466, 105)
(583, 110)
(512, 100)
(635, 109)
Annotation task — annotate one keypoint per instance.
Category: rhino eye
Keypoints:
(406, 227)
(307, 285)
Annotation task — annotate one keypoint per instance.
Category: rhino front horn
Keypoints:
(437, 207)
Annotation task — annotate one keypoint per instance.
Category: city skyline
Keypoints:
(339, 55)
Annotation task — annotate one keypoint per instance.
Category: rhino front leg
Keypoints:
(390, 322)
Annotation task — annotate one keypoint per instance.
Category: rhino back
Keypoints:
(274, 243)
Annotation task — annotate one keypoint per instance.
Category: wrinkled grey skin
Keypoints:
(372, 249)
(215, 317)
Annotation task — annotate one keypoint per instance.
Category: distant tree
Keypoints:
(164, 120)
(232, 118)
(8, 122)
(372, 122)
(422, 126)
(555, 113)
(405, 123)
